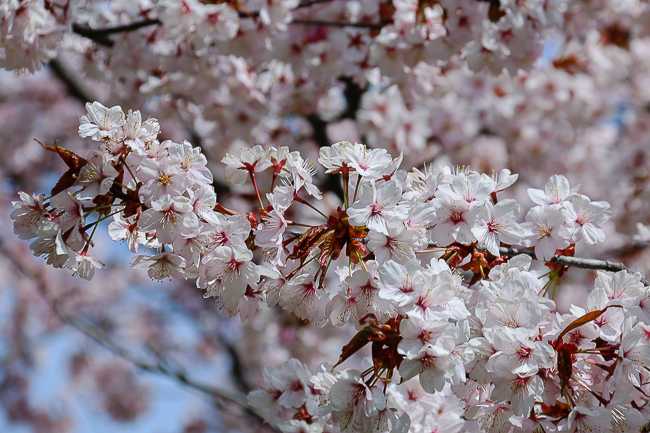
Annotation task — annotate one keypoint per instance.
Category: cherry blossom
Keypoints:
(549, 233)
(497, 223)
(375, 205)
(497, 330)
(405, 250)
(101, 122)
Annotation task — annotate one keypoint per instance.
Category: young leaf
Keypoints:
(74, 163)
(592, 315)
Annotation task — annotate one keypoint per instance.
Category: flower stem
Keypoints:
(305, 263)
(127, 167)
(122, 186)
(356, 188)
(346, 189)
(259, 199)
(430, 250)
(219, 208)
(293, 223)
(322, 276)
(107, 206)
(363, 265)
(90, 239)
(305, 202)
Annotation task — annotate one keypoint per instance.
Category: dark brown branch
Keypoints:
(307, 3)
(319, 130)
(118, 29)
(101, 35)
(87, 32)
(374, 26)
(246, 14)
(353, 94)
(496, 3)
(72, 83)
(574, 262)
(236, 367)
(625, 250)
(160, 367)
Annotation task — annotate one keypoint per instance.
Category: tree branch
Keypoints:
(106, 341)
(307, 3)
(72, 83)
(160, 367)
(101, 35)
(574, 262)
(236, 365)
(353, 94)
(319, 131)
(625, 250)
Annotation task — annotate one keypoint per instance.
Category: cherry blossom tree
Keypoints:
(339, 216)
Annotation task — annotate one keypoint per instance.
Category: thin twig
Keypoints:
(160, 367)
(236, 365)
(121, 28)
(106, 341)
(574, 262)
(247, 14)
(307, 3)
(103, 339)
(75, 88)
(353, 94)
(101, 35)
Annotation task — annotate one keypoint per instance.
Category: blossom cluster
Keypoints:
(239, 67)
(30, 33)
(508, 363)
(412, 259)
(488, 35)
(238, 70)
(555, 85)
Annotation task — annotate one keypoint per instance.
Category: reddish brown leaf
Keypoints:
(326, 248)
(362, 338)
(356, 249)
(571, 64)
(565, 363)
(616, 34)
(592, 315)
(559, 410)
(74, 163)
(306, 242)
(71, 159)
